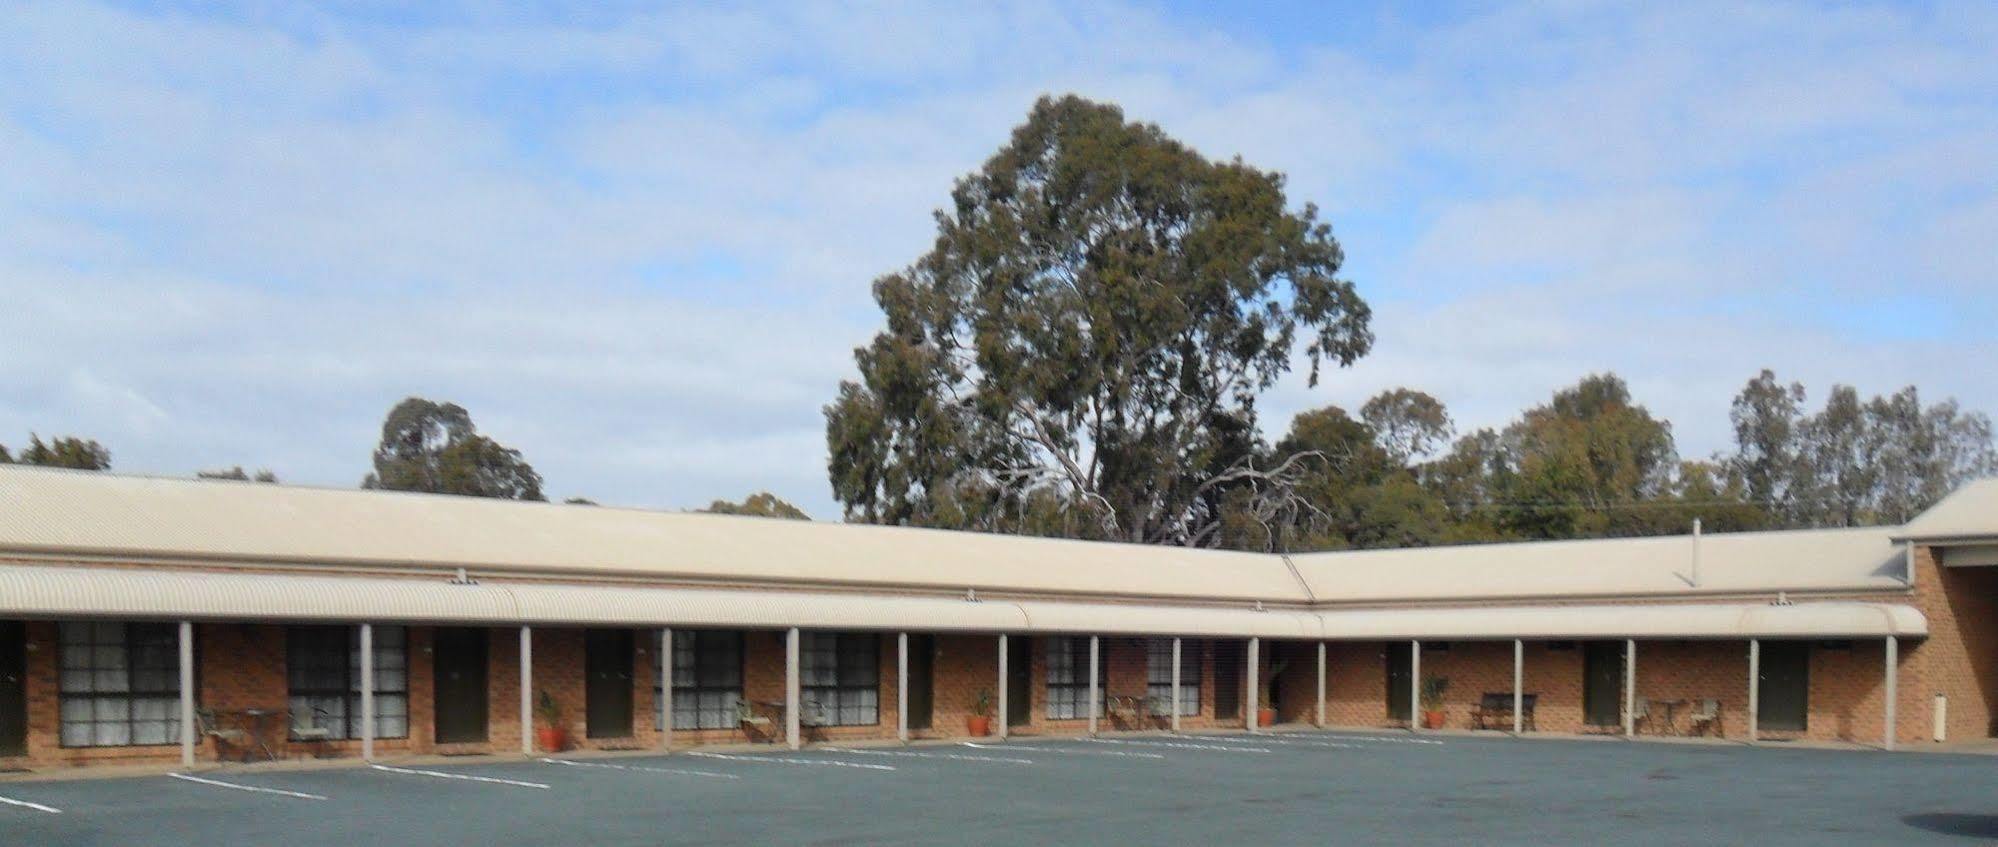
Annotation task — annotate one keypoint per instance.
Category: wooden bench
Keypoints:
(1494, 711)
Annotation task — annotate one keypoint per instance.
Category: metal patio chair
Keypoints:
(208, 723)
(313, 727)
(1706, 719)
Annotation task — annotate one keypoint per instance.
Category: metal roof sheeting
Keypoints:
(1675, 620)
(76, 592)
(58, 511)
(1807, 560)
(64, 513)
(1969, 513)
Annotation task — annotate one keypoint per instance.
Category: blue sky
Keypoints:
(637, 243)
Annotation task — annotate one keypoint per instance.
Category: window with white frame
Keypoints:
(1158, 673)
(707, 680)
(841, 674)
(1068, 678)
(119, 684)
(323, 668)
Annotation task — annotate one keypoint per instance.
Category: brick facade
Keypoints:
(243, 666)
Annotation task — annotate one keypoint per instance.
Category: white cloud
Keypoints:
(638, 247)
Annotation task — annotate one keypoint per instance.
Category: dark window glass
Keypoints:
(707, 680)
(119, 684)
(840, 675)
(323, 664)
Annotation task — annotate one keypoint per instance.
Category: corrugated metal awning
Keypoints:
(1830, 619)
(29, 591)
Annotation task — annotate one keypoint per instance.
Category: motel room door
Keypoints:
(922, 682)
(1783, 695)
(1019, 680)
(1602, 683)
(1398, 668)
(459, 676)
(607, 662)
(13, 690)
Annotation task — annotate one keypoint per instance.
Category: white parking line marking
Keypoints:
(609, 766)
(1179, 745)
(220, 784)
(1068, 751)
(1386, 739)
(790, 761)
(27, 805)
(1264, 739)
(917, 754)
(464, 776)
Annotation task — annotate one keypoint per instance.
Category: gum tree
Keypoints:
(1081, 351)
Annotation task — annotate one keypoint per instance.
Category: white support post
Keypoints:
(1249, 717)
(792, 691)
(187, 694)
(1320, 723)
(1000, 719)
(1518, 685)
(1414, 686)
(1630, 688)
(666, 689)
(367, 692)
(1094, 695)
(1754, 685)
(902, 687)
(527, 691)
(1175, 683)
(1893, 668)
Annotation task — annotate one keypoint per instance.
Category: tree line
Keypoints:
(1082, 351)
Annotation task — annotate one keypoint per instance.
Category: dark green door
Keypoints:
(1783, 699)
(607, 660)
(1019, 680)
(1602, 683)
(460, 678)
(13, 690)
(922, 687)
(1231, 664)
(1399, 666)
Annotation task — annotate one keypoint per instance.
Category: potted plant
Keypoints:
(1432, 701)
(552, 736)
(1266, 705)
(980, 721)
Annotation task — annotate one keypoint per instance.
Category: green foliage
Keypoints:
(236, 473)
(1853, 462)
(434, 447)
(65, 452)
(761, 504)
(1433, 689)
(1081, 351)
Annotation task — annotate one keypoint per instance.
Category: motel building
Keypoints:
(178, 622)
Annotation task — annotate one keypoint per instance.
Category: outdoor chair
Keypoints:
(1494, 711)
(1127, 712)
(313, 727)
(1707, 718)
(754, 725)
(812, 720)
(210, 726)
(1640, 716)
(1526, 704)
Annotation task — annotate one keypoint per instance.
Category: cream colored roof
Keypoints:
(33, 591)
(1665, 620)
(1729, 563)
(80, 512)
(69, 513)
(1969, 513)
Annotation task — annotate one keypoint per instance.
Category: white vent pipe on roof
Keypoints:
(1696, 552)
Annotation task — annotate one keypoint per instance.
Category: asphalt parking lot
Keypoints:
(1297, 788)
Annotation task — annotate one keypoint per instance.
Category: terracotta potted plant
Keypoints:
(551, 735)
(1266, 710)
(1432, 701)
(980, 721)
